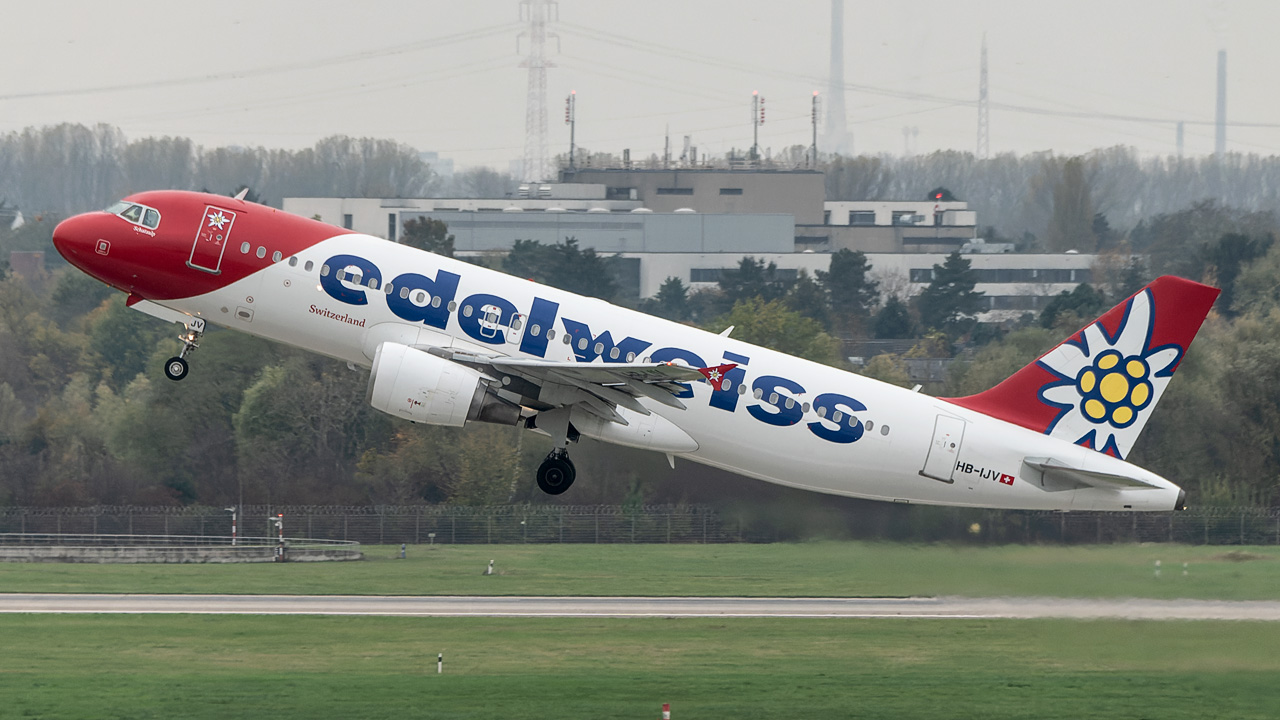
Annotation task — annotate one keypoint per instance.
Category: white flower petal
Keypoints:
(1096, 339)
(1066, 359)
(1133, 335)
(1061, 394)
(1160, 360)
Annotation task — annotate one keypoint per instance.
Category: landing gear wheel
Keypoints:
(556, 474)
(175, 368)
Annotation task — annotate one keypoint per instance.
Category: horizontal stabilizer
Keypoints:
(1056, 476)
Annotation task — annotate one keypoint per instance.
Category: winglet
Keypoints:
(716, 375)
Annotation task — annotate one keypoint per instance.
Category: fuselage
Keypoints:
(781, 419)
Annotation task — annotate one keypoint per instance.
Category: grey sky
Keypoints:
(639, 67)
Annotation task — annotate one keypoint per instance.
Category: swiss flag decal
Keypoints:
(1006, 479)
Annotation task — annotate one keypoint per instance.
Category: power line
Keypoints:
(668, 51)
(276, 69)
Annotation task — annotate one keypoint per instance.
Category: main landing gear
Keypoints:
(556, 473)
(176, 368)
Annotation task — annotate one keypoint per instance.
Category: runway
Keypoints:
(646, 607)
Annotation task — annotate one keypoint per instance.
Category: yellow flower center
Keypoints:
(1114, 387)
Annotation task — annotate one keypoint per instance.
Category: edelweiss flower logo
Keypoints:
(1104, 383)
(217, 219)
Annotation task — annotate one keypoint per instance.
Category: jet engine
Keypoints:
(424, 388)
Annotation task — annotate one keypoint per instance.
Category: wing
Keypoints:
(598, 388)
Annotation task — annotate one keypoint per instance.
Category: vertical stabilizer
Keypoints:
(1098, 387)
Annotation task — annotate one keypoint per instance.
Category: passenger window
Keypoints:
(758, 393)
(884, 429)
(582, 343)
(535, 330)
(244, 248)
(404, 293)
(551, 334)
(599, 348)
(870, 425)
(631, 357)
(790, 403)
(387, 288)
(324, 271)
(262, 252)
(276, 256)
(614, 353)
(293, 262)
(372, 284)
(515, 323)
(466, 311)
(452, 306)
(308, 266)
(435, 302)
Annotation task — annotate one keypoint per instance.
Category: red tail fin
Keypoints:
(1098, 387)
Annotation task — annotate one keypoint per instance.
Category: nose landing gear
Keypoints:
(176, 368)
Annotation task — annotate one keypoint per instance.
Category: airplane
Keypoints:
(450, 343)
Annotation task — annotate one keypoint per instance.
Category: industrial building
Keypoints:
(693, 224)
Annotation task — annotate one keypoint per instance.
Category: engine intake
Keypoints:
(423, 388)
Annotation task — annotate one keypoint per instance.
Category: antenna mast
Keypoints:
(537, 12)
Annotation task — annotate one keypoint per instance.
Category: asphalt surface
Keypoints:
(664, 607)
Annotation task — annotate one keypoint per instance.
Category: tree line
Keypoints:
(71, 168)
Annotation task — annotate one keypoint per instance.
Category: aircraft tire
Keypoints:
(555, 475)
(175, 368)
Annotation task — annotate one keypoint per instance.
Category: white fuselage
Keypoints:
(967, 458)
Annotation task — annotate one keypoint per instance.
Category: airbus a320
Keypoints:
(449, 343)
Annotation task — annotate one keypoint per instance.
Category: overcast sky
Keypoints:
(445, 76)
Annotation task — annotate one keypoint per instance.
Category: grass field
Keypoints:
(112, 666)
(783, 569)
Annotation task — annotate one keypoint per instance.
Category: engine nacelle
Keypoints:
(423, 388)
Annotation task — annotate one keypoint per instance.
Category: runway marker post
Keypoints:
(440, 664)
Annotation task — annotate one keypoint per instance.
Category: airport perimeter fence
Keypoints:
(424, 524)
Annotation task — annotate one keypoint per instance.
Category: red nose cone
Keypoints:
(62, 238)
(80, 240)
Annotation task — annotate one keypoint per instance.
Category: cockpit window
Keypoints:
(136, 214)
